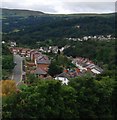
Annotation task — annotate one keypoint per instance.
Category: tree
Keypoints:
(7, 62)
(54, 69)
(31, 78)
(94, 96)
(8, 87)
(84, 98)
(44, 100)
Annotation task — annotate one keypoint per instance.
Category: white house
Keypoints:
(63, 77)
(95, 71)
(12, 44)
(61, 50)
(3, 42)
(85, 38)
(63, 80)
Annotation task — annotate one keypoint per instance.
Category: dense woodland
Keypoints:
(85, 97)
(39, 28)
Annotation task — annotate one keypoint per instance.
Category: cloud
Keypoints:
(62, 6)
(90, 7)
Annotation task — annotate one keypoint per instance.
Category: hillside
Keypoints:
(36, 26)
(16, 12)
(26, 13)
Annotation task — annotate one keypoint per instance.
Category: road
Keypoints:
(17, 71)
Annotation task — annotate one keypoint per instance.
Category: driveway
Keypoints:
(17, 71)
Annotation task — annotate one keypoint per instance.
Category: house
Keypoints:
(85, 38)
(42, 62)
(95, 71)
(23, 52)
(80, 67)
(40, 73)
(31, 64)
(63, 77)
(41, 49)
(12, 44)
(36, 55)
(14, 51)
(45, 49)
(54, 49)
(78, 71)
(72, 73)
(77, 26)
(28, 53)
(32, 52)
(89, 37)
(62, 49)
(3, 42)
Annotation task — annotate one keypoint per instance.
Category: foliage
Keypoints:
(31, 78)
(54, 69)
(5, 50)
(84, 98)
(8, 87)
(94, 97)
(34, 29)
(7, 62)
(63, 61)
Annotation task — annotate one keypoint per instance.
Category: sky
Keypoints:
(62, 6)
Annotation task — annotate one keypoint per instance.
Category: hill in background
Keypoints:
(29, 27)
(16, 12)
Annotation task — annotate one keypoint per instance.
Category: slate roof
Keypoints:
(39, 71)
(64, 75)
(43, 60)
(98, 68)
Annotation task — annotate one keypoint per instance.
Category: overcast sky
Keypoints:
(62, 6)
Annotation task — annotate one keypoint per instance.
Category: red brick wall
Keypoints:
(43, 66)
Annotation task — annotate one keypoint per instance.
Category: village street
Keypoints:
(17, 71)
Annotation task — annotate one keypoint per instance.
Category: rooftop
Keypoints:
(39, 71)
